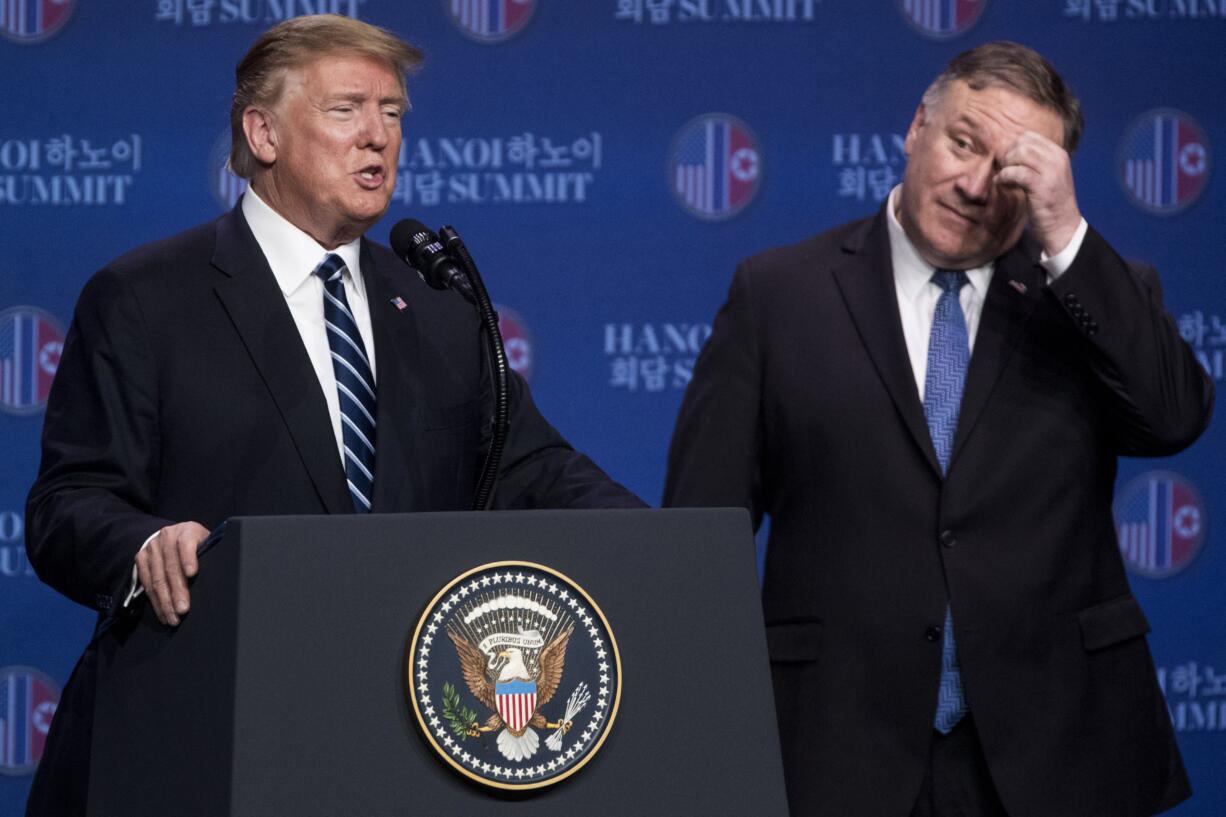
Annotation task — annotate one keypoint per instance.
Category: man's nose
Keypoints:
(976, 181)
(374, 133)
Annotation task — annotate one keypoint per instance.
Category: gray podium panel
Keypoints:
(284, 690)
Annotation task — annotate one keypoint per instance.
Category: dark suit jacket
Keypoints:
(803, 406)
(184, 393)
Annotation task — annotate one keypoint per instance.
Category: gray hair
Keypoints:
(1018, 68)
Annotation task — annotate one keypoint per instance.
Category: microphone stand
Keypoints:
(496, 359)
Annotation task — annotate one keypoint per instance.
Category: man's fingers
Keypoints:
(174, 572)
(1017, 176)
(187, 548)
(158, 587)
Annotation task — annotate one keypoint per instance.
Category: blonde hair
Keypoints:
(259, 77)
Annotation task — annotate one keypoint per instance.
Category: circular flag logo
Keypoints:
(490, 21)
(942, 19)
(30, 345)
(1160, 521)
(516, 339)
(715, 166)
(27, 703)
(225, 186)
(31, 21)
(514, 675)
(1163, 161)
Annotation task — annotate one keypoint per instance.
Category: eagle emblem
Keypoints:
(489, 696)
(513, 674)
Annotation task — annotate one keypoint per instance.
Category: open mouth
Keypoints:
(371, 176)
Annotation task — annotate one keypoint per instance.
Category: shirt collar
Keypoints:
(292, 254)
(911, 271)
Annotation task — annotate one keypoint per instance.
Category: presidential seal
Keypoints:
(514, 675)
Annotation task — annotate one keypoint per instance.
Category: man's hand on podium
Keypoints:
(165, 564)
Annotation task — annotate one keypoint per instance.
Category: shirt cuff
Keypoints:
(1056, 265)
(136, 589)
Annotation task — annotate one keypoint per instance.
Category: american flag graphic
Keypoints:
(33, 19)
(27, 703)
(30, 345)
(492, 19)
(516, 702)
(943, 17)
(716, 166)
(1165, 160)
(1159, 522)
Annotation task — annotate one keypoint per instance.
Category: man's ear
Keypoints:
(917, 122)
(261, 133)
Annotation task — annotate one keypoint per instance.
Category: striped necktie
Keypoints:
(355, 384)
(949, 354)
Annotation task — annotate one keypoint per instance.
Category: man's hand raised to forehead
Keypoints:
(1042, 170)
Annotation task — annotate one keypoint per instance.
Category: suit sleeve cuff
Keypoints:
(135, 588)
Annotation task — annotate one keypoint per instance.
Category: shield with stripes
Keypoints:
(1164, 161)
(941, 19)
(30, 345)
(1160, 522)
(715, 166)
(491, 21)
(27, 703)
(30, 21)
(516, 703)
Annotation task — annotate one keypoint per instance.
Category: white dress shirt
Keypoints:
(918, 295)
(293, 256)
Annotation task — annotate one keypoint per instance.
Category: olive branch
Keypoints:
(459, 718)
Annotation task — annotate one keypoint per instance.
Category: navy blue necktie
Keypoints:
(949, 354)
(355, 384)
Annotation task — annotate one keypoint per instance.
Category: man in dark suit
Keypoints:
(270, 362)
(929, 405)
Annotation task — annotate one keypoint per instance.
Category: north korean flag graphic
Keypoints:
(491, 20)
(32, 20)
(1164, 161)
(1160, 522)
(716, 166)
(27, 703)
(943, 18)
(516, 340)
(30, 346)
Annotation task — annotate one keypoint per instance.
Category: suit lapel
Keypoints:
(866, 280)
(1013, 292)
(256, 306)
(396, 347)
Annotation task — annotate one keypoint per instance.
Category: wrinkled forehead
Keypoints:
(331, 69)
(999, 112)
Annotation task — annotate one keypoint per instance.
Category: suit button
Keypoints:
(948, 539)
(1070, 299)
(933, 634)
(1076, 308)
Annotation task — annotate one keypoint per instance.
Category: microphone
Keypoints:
(421, 248)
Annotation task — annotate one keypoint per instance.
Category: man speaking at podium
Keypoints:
(929, 404)
(269, 362)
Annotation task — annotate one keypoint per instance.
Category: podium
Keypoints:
(284, 690)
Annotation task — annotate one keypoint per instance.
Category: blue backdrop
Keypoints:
(607, 162)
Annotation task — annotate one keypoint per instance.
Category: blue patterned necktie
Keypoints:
(949, 354)
(355, 385)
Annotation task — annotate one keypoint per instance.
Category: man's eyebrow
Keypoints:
(966, 121)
